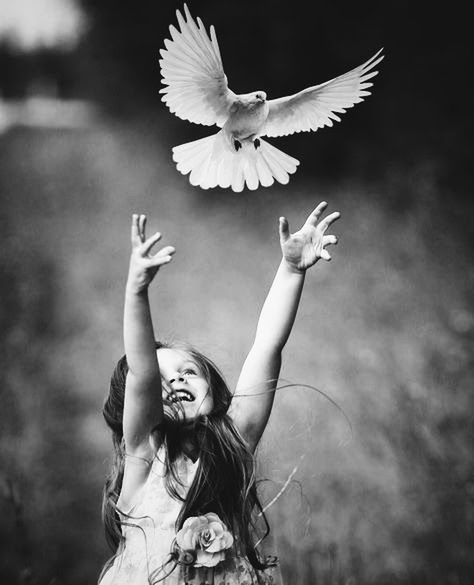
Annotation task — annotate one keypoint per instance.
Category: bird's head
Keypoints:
(254, 98)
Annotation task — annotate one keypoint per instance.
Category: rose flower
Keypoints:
(206, 535)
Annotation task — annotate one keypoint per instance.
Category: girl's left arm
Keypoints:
(253, 398)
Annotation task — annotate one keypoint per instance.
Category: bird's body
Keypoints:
(247, 116)
(196, 90)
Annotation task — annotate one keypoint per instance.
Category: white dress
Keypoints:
(149, 530)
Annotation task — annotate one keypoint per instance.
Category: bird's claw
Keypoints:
(237, 145)
(256, 143)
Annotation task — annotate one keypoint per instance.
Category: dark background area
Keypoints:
(386, 329)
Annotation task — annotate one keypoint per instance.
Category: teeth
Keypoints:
(182, 396)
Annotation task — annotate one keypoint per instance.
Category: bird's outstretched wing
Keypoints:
(319, 105)
(191, 67)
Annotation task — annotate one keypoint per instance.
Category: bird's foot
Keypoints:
(237, 145)
(256, 143)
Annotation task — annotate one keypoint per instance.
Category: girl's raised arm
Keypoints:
(143, 407)
(254, 394)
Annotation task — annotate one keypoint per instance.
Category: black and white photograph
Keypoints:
(236, 275)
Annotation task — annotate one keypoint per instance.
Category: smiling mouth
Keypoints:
(181, 396)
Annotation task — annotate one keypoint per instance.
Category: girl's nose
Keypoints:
(177, 378)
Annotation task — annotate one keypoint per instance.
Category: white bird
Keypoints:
(196, 90)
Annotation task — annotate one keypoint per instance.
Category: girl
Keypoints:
(181, 504)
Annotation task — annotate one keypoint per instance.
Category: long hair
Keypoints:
(225, 478)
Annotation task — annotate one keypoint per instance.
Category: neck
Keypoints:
(183, 436)
(191, 450)
(189, 444)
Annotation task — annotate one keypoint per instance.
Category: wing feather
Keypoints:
(193, 75)
(316, 107)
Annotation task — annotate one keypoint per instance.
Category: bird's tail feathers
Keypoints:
(213, 162)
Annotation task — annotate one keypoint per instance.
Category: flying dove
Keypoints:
(196, 90)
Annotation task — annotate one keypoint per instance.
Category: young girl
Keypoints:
(181, 503)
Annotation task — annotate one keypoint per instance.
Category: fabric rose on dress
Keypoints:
(207, 536)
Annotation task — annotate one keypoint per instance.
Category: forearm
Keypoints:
(262, 365)
(261, 369)
(139, 337)
(279, 310)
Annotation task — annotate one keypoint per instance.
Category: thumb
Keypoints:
(284, 230)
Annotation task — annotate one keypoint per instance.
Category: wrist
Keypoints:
(134, 288)
(292, 267)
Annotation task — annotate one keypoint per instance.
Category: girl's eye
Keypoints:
(189, 372)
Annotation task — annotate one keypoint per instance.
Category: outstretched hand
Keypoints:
(143, 264)
(305, 247)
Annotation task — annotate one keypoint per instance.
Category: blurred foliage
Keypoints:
(46, 71)
(44, 477)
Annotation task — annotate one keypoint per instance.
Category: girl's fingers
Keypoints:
(315, 215)
(284, 229)
(148, 244)
(166, 251)
(325, 255)
(135, 234)
(160, 259)
(163, 256)
(327, 221)
(141, 227)
(327, 240)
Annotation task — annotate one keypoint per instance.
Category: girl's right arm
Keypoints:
(143, 407)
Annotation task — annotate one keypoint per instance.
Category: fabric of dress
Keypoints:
(149, 532)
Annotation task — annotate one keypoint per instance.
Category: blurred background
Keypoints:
(385, 330)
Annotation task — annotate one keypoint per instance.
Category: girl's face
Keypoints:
(184, 383)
